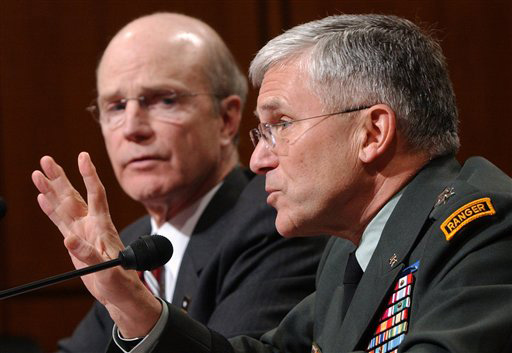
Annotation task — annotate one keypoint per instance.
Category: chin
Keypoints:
(143, 192)
(285, 227)
(296, 226)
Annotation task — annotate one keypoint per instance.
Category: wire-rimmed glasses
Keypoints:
(159, 105)
(275, 136)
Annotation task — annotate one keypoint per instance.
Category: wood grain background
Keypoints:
(48, 54)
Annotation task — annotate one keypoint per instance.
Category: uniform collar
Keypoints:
(373, 231)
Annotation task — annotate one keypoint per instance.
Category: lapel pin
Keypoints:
(393, 260)
(444, 195)
(185, 303)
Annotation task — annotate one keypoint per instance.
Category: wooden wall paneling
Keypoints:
(48, 53)
(475, 36)
(47, 78)
(38, 116)
(46, 317)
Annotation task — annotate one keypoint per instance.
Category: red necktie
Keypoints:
(154, 280)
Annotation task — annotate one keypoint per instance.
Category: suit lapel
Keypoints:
(207, 235)
(141, 227)
(401, 232)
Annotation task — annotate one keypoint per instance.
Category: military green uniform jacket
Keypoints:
(445, 254)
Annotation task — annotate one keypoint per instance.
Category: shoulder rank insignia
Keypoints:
(466, 214)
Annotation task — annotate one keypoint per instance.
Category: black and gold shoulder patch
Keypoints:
(466, 214)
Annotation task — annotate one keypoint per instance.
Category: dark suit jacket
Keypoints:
(238, 275)
(461, 299)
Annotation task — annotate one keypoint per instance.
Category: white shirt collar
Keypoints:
(373, 232)
(178, 230)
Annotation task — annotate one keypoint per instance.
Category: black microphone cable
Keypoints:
(144, 254)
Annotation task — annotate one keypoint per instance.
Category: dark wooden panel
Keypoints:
(46, 317)
(476, 39)
(48, 54)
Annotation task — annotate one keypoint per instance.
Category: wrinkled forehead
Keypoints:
(286, 89)
(133, 56)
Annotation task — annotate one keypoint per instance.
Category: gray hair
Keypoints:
(357, 60)
(223, 74)
(224, 77)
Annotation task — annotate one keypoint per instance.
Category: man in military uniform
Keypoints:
(357, 139)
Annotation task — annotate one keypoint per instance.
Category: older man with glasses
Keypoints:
(170, 97)
(420, 257)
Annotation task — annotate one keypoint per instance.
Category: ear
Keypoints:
(231, 114)
(379, 128)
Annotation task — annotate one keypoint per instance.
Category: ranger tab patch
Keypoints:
(466, 214)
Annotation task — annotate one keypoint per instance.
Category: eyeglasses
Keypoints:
(278, 134)
(163, 106)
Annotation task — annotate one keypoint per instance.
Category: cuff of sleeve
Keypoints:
(142, 344)
(184, 334)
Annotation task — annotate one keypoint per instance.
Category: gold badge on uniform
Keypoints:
(444, 196)
(466, 214)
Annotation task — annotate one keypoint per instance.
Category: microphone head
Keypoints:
(146, 253)
(3, 208)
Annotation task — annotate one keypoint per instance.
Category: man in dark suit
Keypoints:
(169, 105)
(357, 139)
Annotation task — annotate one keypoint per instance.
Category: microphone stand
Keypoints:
(146, 253)
(58, 278)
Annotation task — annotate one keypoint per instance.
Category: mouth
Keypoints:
(272, 195)
(270, 190)
(144, 162)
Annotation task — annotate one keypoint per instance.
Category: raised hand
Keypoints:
(90, 237)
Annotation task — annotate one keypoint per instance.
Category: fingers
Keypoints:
(68, 211)
(96, 196)
(58, 199)
(52, 172)
(51, 168)
(98, 207)
(49, 210)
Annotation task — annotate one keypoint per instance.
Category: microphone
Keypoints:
(3, 208)
(144, 254)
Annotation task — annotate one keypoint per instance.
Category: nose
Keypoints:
(263, 159)
(137, 125)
